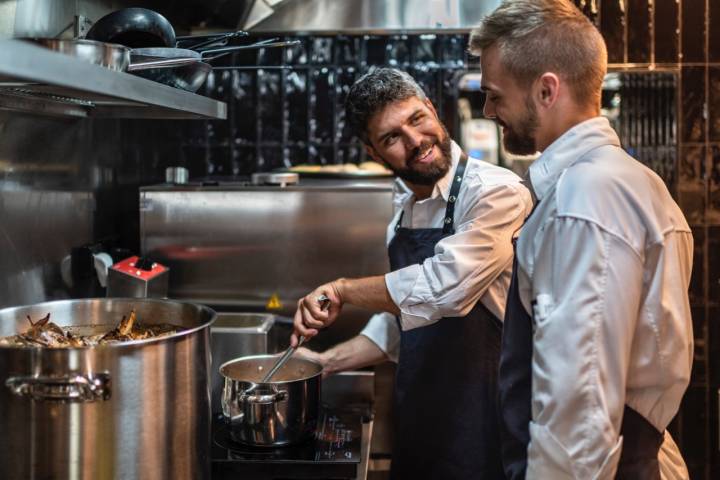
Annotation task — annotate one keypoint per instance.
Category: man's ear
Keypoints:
(430, 105)
(547, 89)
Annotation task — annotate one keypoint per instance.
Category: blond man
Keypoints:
(597, 341)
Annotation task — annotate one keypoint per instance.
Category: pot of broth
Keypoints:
(105, 388)
(282, 411)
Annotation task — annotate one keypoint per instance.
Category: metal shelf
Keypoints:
(36, 80)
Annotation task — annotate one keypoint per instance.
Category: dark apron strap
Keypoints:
(449, 219)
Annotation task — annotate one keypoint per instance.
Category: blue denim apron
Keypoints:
(446, 421)
(641, 442)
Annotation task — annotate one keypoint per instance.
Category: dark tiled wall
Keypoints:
(291, 111)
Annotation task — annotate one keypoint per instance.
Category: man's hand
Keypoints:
(310, 315)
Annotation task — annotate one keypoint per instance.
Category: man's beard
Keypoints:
(520, 138)
(419, 174)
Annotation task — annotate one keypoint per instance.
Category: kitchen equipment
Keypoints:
(134, 410)
(282, 412)
(335, 451)
(109, 55)
(190, 75)
(134, 28)
(281, 179)
(137, 277)
(235, 335)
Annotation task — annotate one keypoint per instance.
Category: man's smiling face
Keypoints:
(409, 138)
(508, 104)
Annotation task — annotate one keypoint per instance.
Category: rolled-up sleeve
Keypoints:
(588, 292)
(382, 329)
(464, 265)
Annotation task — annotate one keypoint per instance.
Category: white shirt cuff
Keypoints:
(415, 310)
(383, 331)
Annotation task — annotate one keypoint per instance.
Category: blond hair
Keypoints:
(538, 36)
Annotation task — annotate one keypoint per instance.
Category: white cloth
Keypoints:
(474, 263)
(604, 267)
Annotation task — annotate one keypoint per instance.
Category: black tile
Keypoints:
(428, 80)
(269, 56)
(454, 48)
(398, 51)
(693, 102)
(350, 154)
(270, 158)
(219, 162)
(697, 471)
(612, 27)
(375, 50)
(714, 103)
(347, 50)
(714, 264)
(321, 51)
(694, 427)
(714, 34)
(321, 155)
(692, 169)
(424, 49)
(244, 159)
(270, 105)
(638, 30)
(345, 79)
(243, 107)
(700, 361)
(693, 31)
(666, 31)
(297, 54)
(713, 322)
(296, 109)
(712, 215)
(295, 156)
(697, 280)
(322, 105)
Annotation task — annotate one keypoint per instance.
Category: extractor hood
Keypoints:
(357, 16)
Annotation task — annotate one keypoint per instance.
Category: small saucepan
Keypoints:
(283, 411)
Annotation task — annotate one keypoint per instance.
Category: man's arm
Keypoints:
(465, 264)
(369, 292)
(358, 352)
(587, 286)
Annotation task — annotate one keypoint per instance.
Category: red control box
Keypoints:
(129, 279)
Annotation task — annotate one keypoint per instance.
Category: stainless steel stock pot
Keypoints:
(131, 410)
(280, 412)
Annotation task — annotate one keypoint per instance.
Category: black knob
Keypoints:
(144, 263)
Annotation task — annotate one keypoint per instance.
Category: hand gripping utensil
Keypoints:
(324, 305)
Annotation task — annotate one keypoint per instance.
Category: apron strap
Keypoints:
(448, 220)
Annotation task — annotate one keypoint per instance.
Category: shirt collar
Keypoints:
(442, 186)
(568, 149)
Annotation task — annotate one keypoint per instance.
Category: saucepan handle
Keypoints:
(264, 398)
(64, 388)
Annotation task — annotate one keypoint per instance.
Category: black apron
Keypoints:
(446, 423)
(641, 441)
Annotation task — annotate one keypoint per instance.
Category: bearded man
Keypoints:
(450, 248)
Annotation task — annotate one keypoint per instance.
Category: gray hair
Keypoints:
(538, 36)
(374, 91)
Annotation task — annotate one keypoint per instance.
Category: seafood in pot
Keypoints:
(45, 333)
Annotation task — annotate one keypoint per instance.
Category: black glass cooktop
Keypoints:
(333, 453)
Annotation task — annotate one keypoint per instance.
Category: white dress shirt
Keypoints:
(474, 263)
(604, 268)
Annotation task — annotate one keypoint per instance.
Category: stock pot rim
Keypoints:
(202, 309)
(272, 382)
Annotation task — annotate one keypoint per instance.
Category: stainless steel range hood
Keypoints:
(358, 16)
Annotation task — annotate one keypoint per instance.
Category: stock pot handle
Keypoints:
(68, 388)
(266, 398)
